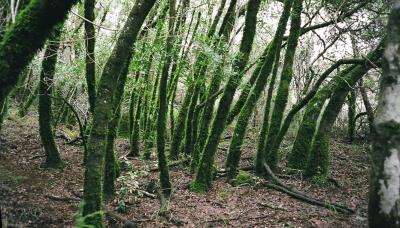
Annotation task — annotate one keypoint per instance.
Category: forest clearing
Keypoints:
(200, 113)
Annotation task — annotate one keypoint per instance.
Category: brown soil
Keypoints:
(29, 192)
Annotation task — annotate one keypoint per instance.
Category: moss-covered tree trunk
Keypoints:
(247, 87)
(318, 161)
(235, 148)
(384, 194)
(25, 37)
(53, 158)
(90, 39)
(111, 167)
(282, 94)
(163, 106)
(203, 177)
(103, 110)
(215, 83)
(187, 108)
(297, 158)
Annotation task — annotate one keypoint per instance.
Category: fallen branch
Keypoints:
(282, 187)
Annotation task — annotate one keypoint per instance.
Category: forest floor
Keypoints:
(33, 196)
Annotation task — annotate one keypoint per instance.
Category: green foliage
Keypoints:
(128, 189)
(245, 178)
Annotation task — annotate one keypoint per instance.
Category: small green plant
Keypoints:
(244, 178)
(319, 179)
(128, 191)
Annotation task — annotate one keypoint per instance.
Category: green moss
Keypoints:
(26, 36)
(281, 98)
(204, 171)
(235, 150)
(114, 72)
(198, 187)
(244, 178)
(318, 161)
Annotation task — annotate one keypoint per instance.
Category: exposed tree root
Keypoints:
(282, 187)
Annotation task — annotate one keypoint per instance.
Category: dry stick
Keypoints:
(280, 186)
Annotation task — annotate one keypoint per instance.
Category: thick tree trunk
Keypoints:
(53, 158)
(104, 103)
(384, 197)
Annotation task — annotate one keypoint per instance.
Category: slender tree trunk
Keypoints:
(163, 107)
(282, 95)
(235, 149)
(90, 38)
(384, 197)
(53, 158)
(368, 107)
(104, 103)
(351, 115)
(203, 177)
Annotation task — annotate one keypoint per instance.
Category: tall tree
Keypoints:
(235, 150)
(45, 92)
(384, 198)
(203, 177)
(163, 107)
(112, 75)
(90, 42)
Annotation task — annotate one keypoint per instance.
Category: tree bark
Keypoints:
(384, 197)
(104, 102)
(53, 158)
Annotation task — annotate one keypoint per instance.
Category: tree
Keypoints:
(163, 107)
(53, 159)
(90, 43)
(238, 135)
(203, 177)
(25, 37)
(384, 197)
(112, 75)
